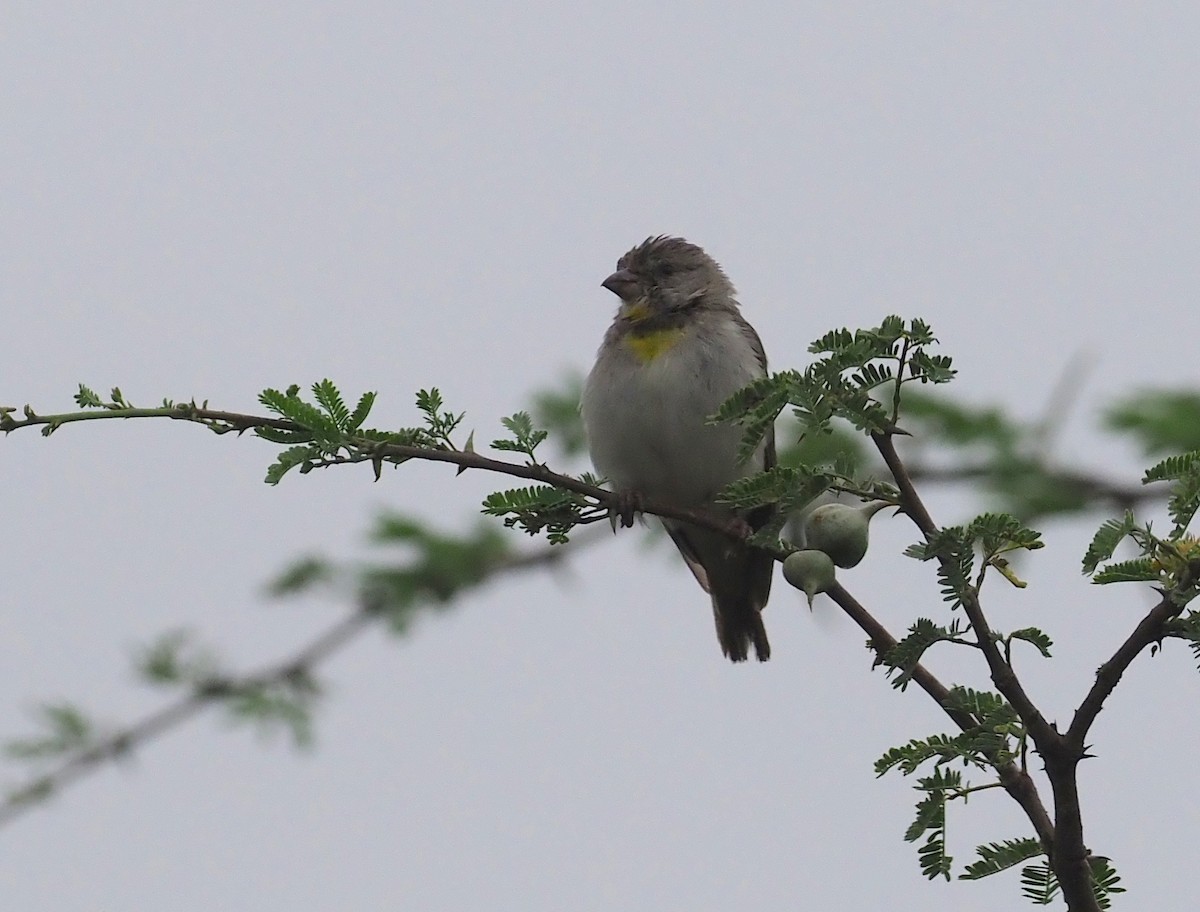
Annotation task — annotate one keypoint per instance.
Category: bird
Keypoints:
(676, 350)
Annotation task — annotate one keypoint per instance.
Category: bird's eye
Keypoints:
(666, 269)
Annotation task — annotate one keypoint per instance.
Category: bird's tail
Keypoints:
(738, 579)
(738, 617)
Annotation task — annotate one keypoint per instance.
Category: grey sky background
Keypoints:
(203, 200)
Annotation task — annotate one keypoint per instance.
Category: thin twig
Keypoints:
(1148, 631)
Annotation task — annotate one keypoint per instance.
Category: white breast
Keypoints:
(645, 422)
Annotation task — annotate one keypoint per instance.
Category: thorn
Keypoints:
(468, 447)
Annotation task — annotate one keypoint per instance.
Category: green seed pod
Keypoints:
(840, 530)
(810, 571)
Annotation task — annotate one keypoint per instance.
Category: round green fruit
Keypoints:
(840, 531)
(810, 571)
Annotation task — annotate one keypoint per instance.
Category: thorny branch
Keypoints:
(1148, 631)
(366, 450)
(1066, 849)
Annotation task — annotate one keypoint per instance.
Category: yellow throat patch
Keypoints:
(649, 345)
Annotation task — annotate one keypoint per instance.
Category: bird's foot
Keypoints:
(741, 527)
(628, 504)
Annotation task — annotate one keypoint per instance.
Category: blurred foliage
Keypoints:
(557, 410)
(425, 569)
(432, 570)
(64, 728)
(1161, 421)
(991, 452)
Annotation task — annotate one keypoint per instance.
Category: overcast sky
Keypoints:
(202, 200)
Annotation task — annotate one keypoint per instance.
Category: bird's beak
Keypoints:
(623, 284)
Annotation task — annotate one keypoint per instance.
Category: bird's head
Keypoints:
(665, 276)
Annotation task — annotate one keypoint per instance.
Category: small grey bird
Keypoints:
(677, 349)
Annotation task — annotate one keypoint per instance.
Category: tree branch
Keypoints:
(123, 742)
(1062, 839)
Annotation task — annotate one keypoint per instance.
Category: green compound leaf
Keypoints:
(789, 487)
(275, 435)
(290, 459)
(1039, 884)
(66, 728)
(1139, 570)
(908, 758)
(1105, 541)
(1034, 636)
(995, 857)
(330, 399)
(1000, 533)
(525, 437)
(87, 398)
(933, 859)
(365, 402)
(540, 508)
(1184, 500)
(1173, 468)
(1104, 880)
(906, 654)
(289, 405)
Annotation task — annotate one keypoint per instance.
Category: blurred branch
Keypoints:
(1064, 396)
(1091, 488)
(122, 743)
(294, 674)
